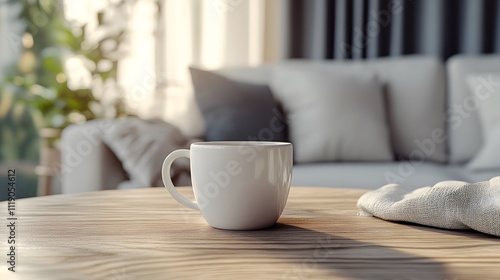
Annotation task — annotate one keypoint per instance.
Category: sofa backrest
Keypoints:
(416, 96)
(464, 127)
(415, 93)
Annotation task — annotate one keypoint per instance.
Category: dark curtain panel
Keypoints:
(359, 29)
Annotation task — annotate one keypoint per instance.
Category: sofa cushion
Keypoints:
(464, 126)
(374, 175)
(333, 115)
(486, 89)
(416, 102)
(415, 87)
(234, 110)
(477, 175)
(488, 157)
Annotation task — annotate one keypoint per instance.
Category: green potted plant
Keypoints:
(40, 82)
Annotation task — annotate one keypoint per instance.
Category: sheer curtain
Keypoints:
(137, 80)
(165, 37)
(212, 34)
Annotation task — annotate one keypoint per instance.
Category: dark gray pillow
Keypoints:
(237, 111)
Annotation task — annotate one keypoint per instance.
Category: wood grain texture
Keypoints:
(145, 234)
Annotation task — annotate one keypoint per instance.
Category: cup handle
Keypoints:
(167, 181)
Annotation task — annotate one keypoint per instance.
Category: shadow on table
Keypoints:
(470, 233)
(318, 253)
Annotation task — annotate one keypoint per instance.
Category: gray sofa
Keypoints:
(422, 95)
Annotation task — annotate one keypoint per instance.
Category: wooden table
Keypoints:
(145, 234)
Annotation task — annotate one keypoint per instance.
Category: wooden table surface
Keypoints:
(145, 234)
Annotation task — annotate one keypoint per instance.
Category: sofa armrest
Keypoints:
(87, 164)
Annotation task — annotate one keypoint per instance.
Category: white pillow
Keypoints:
(333, 115)
(489, 155)
(486, 90)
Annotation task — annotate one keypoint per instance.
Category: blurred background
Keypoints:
(69, 61)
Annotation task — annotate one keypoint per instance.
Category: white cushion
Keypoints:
(489, 155)
(415, 87)
(486, 90)
(464, 125)
(416, 104)
(333, 116)
(368, 175)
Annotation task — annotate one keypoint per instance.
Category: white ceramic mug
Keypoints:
(237, 185)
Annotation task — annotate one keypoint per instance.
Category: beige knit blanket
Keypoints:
(448, 204)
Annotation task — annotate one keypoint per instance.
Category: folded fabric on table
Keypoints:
(448, 204)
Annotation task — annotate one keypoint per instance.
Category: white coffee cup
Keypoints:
(237, 185)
